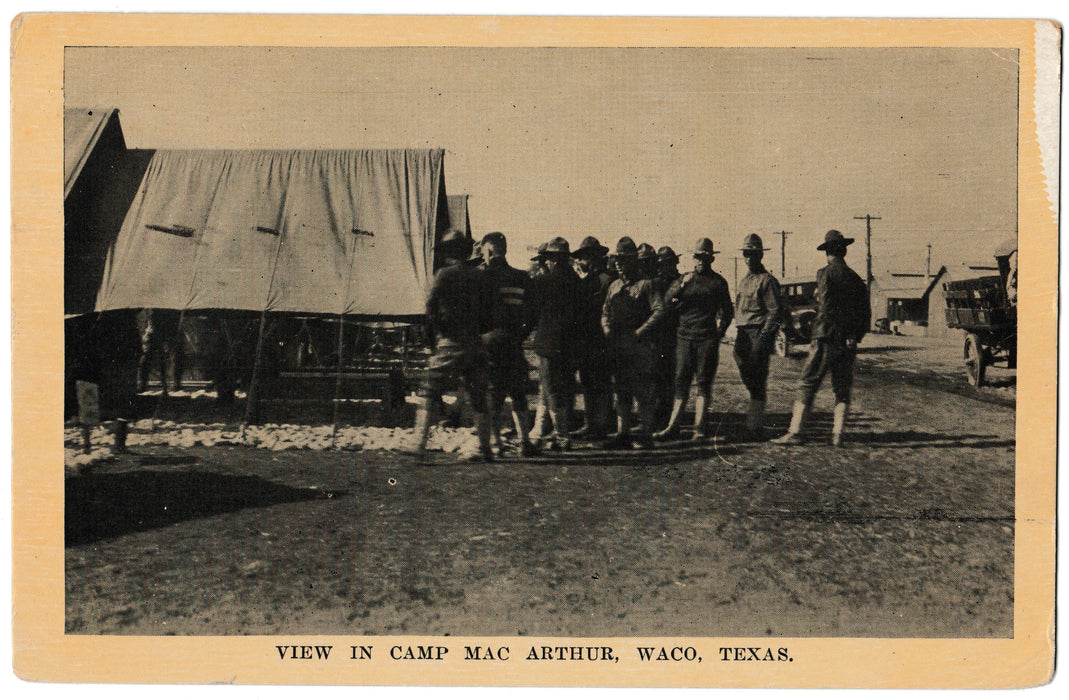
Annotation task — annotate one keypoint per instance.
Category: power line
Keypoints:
(782, 252)
(868, 246)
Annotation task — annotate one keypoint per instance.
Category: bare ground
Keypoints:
(907, 531)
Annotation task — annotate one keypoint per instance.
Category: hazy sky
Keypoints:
(664, 145)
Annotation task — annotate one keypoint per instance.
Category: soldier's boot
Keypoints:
(672, 429)
(520, 420)
(589, 429)
(754, 419)
(600, 413)
(538, 426)
(793, 436)
(482, 433)
(560, 410)
(643, 437)
(622, 438)
(701, 404)
(839, 422)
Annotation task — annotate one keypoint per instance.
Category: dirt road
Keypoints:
(906, 531)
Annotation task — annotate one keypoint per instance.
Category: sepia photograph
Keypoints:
(654, 356)
(481, 341)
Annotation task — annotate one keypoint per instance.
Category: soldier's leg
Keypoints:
(622, 387)
(758, 388)
(707, 356)
(684, 372)
(475, 378)
(816, 367)
(842, 378)
(642, 363)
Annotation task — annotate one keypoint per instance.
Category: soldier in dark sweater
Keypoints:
(556, 298)
(592, 351)
(631, 313)
(702, 303)
(665, 357)
(461, 307)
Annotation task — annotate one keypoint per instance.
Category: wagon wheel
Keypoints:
(782, 346)
(975, 359)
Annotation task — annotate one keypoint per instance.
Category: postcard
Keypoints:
(534, 351)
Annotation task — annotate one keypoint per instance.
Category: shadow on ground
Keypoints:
(100, 506)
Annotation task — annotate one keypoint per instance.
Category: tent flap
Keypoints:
(301, 231)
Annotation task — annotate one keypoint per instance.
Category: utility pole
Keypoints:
(782, 252)
(928, 265)
(736, 259)
(868, 246)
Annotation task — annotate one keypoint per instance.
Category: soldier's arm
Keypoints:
(820, 320)
(606, 326)
(433, 302)
(657, 311)
(727, 309)
(864, 311)
(671, 296)
(770, 295)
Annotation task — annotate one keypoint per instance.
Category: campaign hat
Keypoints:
(590, 245)
(666, 254)
(454, 241)
(834, 238)
(625, 248)
(646, 251)
(540, 254)
(753, 242)
(557, 246)
(703, 248)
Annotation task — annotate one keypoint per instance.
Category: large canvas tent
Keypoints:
(100, 180)
(325, 232)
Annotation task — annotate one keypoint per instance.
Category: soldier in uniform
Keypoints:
(507, 366)
(647, 261)
(758, 315)
(702, 302)
(460, 309)
(842, 319)
(595, 375)
(556, 296)
(629, 318)
(665, 360)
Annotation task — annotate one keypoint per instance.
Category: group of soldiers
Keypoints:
(628, 330)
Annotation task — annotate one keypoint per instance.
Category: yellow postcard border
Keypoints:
(43, 652)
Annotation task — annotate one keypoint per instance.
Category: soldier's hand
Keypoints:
(639, 335)
(851, 344)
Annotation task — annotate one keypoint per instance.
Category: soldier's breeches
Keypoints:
(697, 360)
(751, 357)
(633, 374)
(451, 363)
(824, 357)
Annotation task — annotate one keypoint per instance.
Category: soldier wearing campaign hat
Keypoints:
(703, 304)
(461, 306)
(842, 319)
(629, 318)
(758, 317)
(592, 356)
(647, 261)
(667, 272)
(555, 338)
